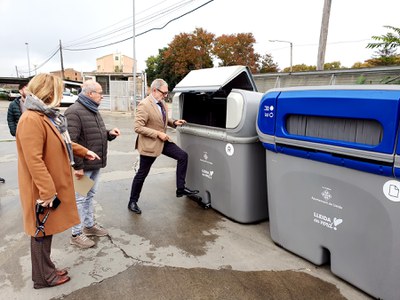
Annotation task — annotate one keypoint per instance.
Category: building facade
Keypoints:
(69, 74)
(114, 63)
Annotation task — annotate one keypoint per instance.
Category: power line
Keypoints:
(43, 63)
(71, 43)
(159, 28)
(121, 29)
(154, 28)
(147, 20)
(164, 12)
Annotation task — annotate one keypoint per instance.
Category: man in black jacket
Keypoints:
(86, 127)
(16, 108)
(14, 112)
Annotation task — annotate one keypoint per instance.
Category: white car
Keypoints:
(13, 94)
(68, 99)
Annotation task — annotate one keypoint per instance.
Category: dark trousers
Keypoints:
(43, 269)
(170, 150)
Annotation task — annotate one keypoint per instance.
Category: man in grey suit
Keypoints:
(151, 121)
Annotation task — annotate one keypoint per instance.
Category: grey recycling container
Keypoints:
(226, 159)
(332, 158)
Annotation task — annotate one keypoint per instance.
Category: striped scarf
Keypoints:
(60, 121)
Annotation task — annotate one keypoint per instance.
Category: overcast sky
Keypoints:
(83, 24)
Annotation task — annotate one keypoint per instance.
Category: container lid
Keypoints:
(214, 79)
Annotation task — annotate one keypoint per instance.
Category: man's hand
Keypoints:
(115, 132)
(179, 122)
(90, 155)
(163, 136)
(79, 173)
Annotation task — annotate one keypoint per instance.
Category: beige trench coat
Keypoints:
(148, 122)
(44, 170)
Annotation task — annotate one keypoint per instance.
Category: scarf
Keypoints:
(88, 103)
(60, 121)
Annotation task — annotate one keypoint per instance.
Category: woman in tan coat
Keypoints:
(45, 156)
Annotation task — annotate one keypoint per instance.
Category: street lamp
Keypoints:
(29, 63)
(291, 51)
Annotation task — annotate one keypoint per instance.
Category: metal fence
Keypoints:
(385, 75)
(120, 97)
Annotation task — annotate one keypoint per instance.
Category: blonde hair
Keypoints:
(47, 87)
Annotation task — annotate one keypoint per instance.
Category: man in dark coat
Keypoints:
(86, 127)
(16, 108)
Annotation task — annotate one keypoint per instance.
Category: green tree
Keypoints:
(384, 57)
(300, 68)
(389, 40)
(267, 64)
(386, 46)
(157, 67)
(335, 65)
(359, 65)
(237, 49)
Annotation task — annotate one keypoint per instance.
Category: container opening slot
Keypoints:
(242, 81)
(359, 131)
(204, 109)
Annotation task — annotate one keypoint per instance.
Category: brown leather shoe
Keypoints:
(61, 272)
(58, 281)
(61, 280)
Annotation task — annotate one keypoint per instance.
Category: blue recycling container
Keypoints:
(332, 161)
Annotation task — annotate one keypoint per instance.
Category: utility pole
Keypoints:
(134, 58)
(324, 34)
(62, 63)
(29, 62)
(16, 69)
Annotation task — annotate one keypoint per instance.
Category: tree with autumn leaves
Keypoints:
(200, 49)
(237, 49)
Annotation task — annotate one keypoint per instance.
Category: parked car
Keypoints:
(3, 94)
(68, 98)
(13, 94)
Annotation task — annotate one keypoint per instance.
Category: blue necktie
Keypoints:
(162, 111)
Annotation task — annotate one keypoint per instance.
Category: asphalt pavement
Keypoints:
(174, 250)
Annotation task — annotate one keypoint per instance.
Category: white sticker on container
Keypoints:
(229, 149)
(391, 189)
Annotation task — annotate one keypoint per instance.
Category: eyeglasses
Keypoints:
(100, 93)
(163, 93)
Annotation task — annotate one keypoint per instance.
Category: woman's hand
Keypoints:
(46, 203)
(90, 155)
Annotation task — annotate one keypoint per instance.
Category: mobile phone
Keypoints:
(56, 202)
(40, 209)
